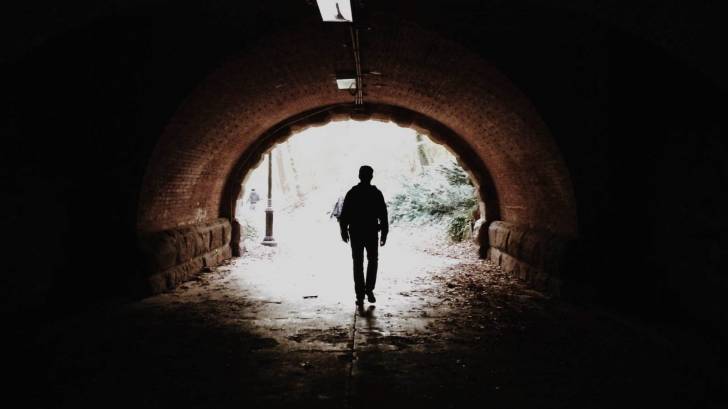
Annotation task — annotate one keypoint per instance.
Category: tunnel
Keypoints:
(593, 136)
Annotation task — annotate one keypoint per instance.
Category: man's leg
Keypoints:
(357, 255)
(372, 245)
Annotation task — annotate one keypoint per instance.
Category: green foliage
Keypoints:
(459, 227)
(250, 232)
(440, 194)
(455, 175)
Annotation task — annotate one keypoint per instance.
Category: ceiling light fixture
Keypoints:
(338, 11)
(346, 81)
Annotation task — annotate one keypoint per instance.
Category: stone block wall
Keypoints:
(533, 256)
(173, 256)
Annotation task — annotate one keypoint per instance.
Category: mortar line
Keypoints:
(352, 356)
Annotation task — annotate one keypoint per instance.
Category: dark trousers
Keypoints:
(359, 242)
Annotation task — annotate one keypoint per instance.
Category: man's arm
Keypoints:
(344, 219)
(383, 219)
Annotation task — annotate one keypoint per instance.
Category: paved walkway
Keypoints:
(279, 329)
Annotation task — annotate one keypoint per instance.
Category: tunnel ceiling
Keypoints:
(687, 33)
(293, 71)
(411, 56)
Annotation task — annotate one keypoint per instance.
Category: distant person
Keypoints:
(253, 198)
(363, 215)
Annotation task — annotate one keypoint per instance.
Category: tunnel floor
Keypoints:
(448, 330)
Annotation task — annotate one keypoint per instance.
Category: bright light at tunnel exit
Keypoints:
(321, 163)
(311, 171)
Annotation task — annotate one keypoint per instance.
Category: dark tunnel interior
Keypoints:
(628, 102)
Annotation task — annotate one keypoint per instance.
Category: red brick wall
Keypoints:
(292, 72)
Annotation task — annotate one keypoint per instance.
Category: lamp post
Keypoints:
(269, 240)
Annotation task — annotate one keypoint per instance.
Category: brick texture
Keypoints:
(175, 255)
(532, 255)
(236, 110)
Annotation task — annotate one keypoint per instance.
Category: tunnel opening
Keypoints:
(530, 252)
(434, 208)
(186, 211)
(451, 149)
(422, 180)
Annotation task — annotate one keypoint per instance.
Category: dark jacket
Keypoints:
(364, 211)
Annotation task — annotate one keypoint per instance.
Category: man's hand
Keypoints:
(383, 240)
(345, 236)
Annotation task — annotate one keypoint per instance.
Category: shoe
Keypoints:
(370, 297)
(360, 301)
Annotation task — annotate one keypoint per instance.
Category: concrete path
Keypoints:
(279, 329)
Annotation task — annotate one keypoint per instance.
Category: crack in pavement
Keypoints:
(352, 358)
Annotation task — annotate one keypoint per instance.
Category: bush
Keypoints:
(440, 194)
(459, 228)
(250, 232)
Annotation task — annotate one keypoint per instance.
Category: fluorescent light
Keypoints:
(335, 10)
(346, 83)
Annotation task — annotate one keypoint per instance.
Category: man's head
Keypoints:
(366, 173)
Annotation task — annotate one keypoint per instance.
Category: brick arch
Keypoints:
(321, 116)
(241, 109)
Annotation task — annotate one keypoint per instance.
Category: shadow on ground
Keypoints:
(458, 334)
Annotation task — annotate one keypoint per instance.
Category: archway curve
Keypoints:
(385, 113)
(240, 110)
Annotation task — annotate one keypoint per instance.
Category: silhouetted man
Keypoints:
(363, 215)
